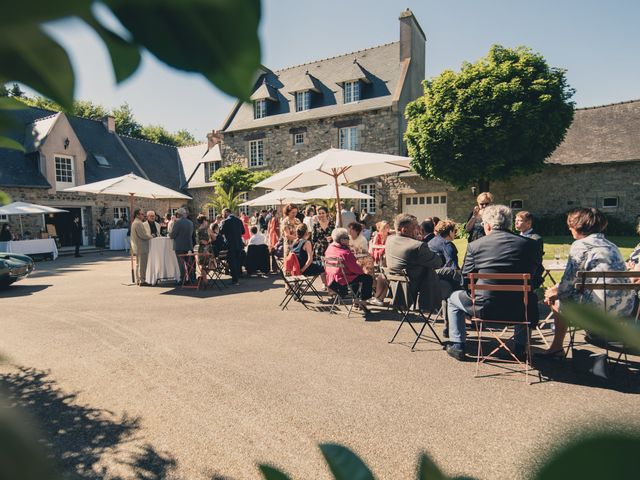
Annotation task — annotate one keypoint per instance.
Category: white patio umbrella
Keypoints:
(275, 196)
(341, 166)
(131, 185)
(329, 191)
(22, 208)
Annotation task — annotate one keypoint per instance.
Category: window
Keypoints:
(256, 153)
(102, 161)
(259, 109)
(303, 101)
(120, 212)
(351, 91)
(4, 218)
(172, 211)
(209, 169)
(64, 169)
(243, 198)
(370, 205)
(349, 138)
(298, 138)
(443, 199)
(212, 214)
(516, 204)
(610, 202)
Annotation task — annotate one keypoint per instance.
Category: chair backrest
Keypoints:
(617, 283)
(334, 262)
(402, 297)
(519, 282)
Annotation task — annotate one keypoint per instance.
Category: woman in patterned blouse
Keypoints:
(321, 235)
(288, 226)
(590, 252)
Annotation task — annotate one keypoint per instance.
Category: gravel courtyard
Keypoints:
(128, 382)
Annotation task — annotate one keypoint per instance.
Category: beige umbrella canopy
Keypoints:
(329, 192)
(22, 208)
(133, 186)
(276, 196)
(337, 165)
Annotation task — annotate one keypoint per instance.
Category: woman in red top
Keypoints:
(247, 234)
(353, 273)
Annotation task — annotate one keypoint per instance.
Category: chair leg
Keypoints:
(480, 354)
(427, 322)
(404, 317)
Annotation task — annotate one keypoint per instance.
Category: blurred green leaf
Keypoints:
(605, 325)
(4, 199)
(344, 464)
(271, 473)
(594, 457)
(125, 57)
(427, 469)
(8, 103)
(29, 56)
(6, 142)
(37, 11)
(218, 38)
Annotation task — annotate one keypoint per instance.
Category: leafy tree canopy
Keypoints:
(498, 117)
(126, 124)
(238, 178)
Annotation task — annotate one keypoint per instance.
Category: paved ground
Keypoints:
(155, 382)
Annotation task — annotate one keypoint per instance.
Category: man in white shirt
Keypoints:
(257, 238)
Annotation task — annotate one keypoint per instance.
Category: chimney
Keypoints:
(214, 138)
(412, 38)
(109, 123)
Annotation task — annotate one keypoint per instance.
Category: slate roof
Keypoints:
(193, 159)
(160, 162)
(607, 133)
(380, 66)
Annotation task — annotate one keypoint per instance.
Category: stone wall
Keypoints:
(200, 199)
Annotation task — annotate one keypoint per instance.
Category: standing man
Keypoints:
(151, 224)
(182, 235)
(232, 229)
(140, 237)
(348, 217)
(76, 234)
(262, 220)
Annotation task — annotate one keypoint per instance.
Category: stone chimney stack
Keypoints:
(214, 138)
(109, 123)
(412, 38)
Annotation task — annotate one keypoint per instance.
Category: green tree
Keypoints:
(126, 124)
(239, 178)
(498, 117)
(4, 91)
(88, 109)
(224, 199)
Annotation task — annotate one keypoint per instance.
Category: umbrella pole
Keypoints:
(133, 276)
(21, 232)
(338, 211)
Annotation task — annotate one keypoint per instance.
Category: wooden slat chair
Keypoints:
(407, 306)
(334, 262)
(599, 282)
(518, 282)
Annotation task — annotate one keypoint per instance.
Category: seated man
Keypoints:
(404, 252)
(257, 238)
(499, 251)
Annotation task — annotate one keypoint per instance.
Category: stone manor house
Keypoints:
(353, 101)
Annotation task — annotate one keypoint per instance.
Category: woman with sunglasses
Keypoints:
(474, 226)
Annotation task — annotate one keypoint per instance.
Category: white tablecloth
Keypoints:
(31, 247)
(163, 263)
(118, 239)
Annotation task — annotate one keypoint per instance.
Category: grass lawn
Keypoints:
(552, 244)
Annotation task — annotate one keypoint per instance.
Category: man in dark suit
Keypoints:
(182, 235)
(404, 252)
(232, 229)
(499, 251)
(428, 226)
(76, 235)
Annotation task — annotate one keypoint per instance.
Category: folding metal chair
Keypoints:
(406, 305)
(294, 287)
(212, 272)
(339, 298)
(519, 283)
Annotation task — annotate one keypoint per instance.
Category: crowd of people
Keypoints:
(424, 250)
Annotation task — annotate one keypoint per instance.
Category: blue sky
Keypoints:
(596, 41)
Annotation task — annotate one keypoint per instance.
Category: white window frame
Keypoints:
(256, 153)
(298, 139)
(211, 211)
(71, 163)
(351, 91)
(118, 211)
(209, 169)
(259, 109)
(243, 198)
(4, 218)
(303, 101)
(370, 205)
(348, 138)
(610, 207)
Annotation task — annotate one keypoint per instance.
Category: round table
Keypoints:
(118, 239)
(162, 263)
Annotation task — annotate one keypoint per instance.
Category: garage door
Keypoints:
(425, 205)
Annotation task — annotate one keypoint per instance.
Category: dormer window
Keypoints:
(303, 101)
(352, 91)
(259, 108)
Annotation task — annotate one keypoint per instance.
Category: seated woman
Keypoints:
(442, 244)
(590, 252)
(216, 241)
(376, 246)
(360, 247)
(302, 249)
(353, 273)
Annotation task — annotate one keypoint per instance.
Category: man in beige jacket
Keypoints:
(140, 237)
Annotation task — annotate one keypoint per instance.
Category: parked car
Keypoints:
(13, 267)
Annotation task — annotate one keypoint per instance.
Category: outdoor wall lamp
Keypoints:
(66, 143)
(473, 191)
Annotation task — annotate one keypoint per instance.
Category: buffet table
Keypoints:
(31, 247)
(162, 263)
(118, 239)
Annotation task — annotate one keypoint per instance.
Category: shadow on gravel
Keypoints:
(21, 290)
(78, 436)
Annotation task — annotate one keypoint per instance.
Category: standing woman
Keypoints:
(100, 236)
(288, 226)
(474, 226)
(321, 235)
(245, 221)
